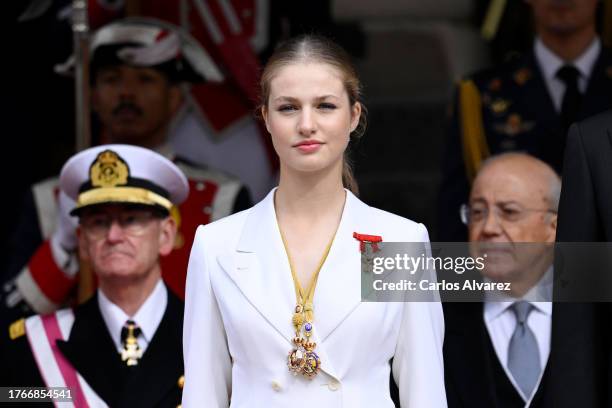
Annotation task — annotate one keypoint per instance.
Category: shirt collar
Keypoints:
(147, 317)
(550, 63)
(494, 309)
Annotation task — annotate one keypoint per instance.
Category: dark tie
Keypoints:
(572, 98)
(131, 351)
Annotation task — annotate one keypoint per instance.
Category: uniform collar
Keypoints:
(550, 62)
(147, 317)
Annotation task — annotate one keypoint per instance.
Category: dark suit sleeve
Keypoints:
(578, 218)
(454, 188)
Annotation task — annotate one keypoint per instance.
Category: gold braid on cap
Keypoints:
(109, 175)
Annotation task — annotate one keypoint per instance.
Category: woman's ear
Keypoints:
(355, 116)
(264, 115)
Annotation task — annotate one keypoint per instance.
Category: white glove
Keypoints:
(64, 239)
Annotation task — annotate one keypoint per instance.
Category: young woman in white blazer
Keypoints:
(254, 335)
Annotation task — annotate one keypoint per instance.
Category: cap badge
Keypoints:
(108, 170)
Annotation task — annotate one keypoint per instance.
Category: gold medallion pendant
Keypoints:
(302, 359)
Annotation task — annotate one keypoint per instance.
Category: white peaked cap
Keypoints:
(123, 174)
(152, 42)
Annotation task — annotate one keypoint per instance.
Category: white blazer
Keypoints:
(238, 308)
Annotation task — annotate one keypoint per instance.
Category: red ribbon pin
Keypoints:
(367, 239)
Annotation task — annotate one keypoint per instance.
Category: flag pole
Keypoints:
(80, 29)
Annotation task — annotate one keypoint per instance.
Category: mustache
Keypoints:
(129, 107)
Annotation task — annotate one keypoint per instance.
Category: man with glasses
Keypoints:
(123, 346)
(496, 352)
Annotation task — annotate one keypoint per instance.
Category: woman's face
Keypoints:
(309, 116)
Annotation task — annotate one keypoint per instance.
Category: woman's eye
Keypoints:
(287, 108)
(327, 106)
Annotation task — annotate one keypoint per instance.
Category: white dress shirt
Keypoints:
(147, 317)
(500, 321)
(550, 63)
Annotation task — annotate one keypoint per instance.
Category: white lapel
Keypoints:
(338, 290)
(259, 267)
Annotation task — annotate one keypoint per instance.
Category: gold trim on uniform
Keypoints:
(514, 125)
(475, 148)
(17, 329)
(500, 106)
(181, 382)
(131, 195)
(522, 76)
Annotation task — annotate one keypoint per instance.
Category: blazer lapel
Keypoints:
(259, 267)
(92, 352)
(338, 290)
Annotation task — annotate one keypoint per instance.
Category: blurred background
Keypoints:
(409, 54)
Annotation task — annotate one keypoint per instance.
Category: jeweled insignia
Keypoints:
(495, 85)
(302, 359)
(17, 329)
(513, 125)
(108, 170)
(500, 106)
(131, 352)
(522, 76)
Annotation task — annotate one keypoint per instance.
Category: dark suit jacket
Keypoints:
(513, 93)
(90, 349)
(581, 340)
(474, 377)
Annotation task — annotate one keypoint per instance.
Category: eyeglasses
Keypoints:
(478, 213)
(133, 223)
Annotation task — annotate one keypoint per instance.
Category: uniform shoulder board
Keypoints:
(17, 329)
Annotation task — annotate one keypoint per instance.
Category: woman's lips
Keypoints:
(309, 146)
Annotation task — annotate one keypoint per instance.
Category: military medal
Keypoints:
(368, 245)
(302, 359)
(131, 351)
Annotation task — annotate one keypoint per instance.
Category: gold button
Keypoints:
(333, 385)
(276, 386)
(181, 381)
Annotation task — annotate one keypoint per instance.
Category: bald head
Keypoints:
(533, 173)
(514, 198)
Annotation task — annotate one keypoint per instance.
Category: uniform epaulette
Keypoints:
(17, 329)
(475, 148)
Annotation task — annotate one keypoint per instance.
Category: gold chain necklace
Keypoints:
(302, 358)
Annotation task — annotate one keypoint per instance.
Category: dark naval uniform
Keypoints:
(505, 109)
(156, 381)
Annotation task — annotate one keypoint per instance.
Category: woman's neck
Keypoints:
(303, 196)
